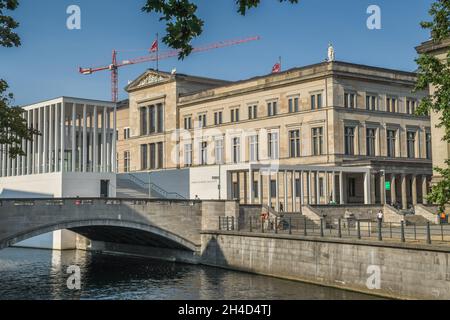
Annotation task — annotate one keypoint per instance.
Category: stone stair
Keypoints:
(128, 189)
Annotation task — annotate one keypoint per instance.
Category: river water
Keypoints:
(42, 275)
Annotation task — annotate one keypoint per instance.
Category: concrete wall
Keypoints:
(408, 272)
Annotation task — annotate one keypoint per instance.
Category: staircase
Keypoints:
(131, 186)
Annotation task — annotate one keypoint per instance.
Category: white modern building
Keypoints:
(74, 156)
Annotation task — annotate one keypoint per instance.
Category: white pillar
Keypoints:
(51, 142)
(393, 190)
(80, 144)
(277, 190)
(108, 141)
(29, 154)
(269, 189)
(103, 164)
(325, 188)
(333, 186)
(63, 136)
(39, 146)
(294, 192)
(45, 157)
(424, 189)
(74, 137)
(317, 187)
(261, 187)
(285, 207)
(302, 191)
(250, 187)
(414, 189)
(84, 138)
(57, 134)
(114, 146)
(404, 194)
(310, 191)
(367, 188)
(341, 188)
(95, 144)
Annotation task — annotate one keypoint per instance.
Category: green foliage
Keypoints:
(8, 38)
(182, 23)
(13, 128)
(436, 73)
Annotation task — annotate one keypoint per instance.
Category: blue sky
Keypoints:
(46, 64)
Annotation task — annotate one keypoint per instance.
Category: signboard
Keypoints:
(388, 185)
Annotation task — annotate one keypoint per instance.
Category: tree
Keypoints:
(182, 22)
(436, 73)
(13, 127)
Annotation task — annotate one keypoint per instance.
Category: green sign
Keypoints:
(388, 185)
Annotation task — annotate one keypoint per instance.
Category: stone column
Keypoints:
(404, 194)
(63, 136)
(341, 188)
(269, 190)
(74, 137)
(45, 153)
(333, 186)
(294, 192)
(114, 145)
(393, 189)
(261, 187)
(383, 188)
(84, 139)
(103, 158)
(51, 142)
(250, 187)
(310, 191)
(95, 143)
(39, 142)
(285, 180)
(414, 189)
(367, 188)
(57, 138)
(424, 189)
(373, 178)
(29, 154)
(302, 190)
(277, 190)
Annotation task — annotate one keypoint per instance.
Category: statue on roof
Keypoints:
(331, 56)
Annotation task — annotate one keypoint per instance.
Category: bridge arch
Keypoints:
(109, 230)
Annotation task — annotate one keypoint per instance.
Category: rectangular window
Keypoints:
(152, 156)
(152, 112)
(272, 108)
(160, 164)
(411, 144)
(411, 106)
(144, 157)
(252, 112)
(317, 141)
(273, 188)
(188, 123)
(126, 133)
(294, 144)
(349, 141)
(236, 150)
(202, 121)
(321, 187)
(188, 154)
(234, 115)
(253, 142)
(203, 153)
(391, 140)
(160, 120)
(370, 141)
(350, 100)
(371, 103)
(429, 146)
(391, 105)
(273, 146)
(218, 151)
(218, 118)
(255, 189)
(293, 105)
(144, 128)
(126, 161)
(316, 101)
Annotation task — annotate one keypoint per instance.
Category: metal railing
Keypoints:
(344, 229)
(146, 185)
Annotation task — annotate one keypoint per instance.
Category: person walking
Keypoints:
(380, 216)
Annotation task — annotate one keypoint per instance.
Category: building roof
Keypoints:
(68, 100)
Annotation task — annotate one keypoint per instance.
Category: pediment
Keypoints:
(148, 78)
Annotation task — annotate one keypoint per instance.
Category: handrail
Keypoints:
(154, 187)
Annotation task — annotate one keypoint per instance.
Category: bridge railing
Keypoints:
(344, 228)
(91, 201)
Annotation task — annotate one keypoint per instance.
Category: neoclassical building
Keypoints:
(333, 132)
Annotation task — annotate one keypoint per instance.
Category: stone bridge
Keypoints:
(165, 224)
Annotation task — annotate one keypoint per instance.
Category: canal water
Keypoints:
(42, 275)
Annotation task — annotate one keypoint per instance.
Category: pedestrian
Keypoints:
(196, 197)
(443, 218)
(380, 216)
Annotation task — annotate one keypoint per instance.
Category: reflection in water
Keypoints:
(41, 274)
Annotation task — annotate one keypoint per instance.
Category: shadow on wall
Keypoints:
(212, 253)
(16, 194)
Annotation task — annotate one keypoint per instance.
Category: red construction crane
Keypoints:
(114, 66)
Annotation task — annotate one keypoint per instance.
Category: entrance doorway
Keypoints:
(104, 188)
